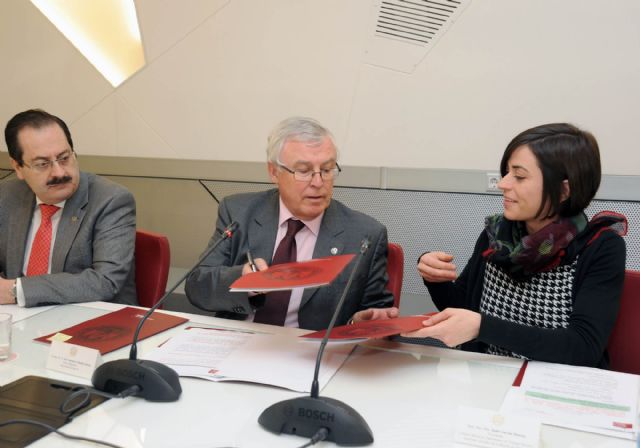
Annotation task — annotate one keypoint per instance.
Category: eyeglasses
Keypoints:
(45, 165)
(305, 175)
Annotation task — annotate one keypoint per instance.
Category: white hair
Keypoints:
(301, 129)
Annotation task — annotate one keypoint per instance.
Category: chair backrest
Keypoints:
(395, 271)
(152, 266)
(624, 343)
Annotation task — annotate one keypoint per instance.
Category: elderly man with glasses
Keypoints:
(303, 164)
(65, 236)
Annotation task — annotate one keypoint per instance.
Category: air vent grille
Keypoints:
(416, 21)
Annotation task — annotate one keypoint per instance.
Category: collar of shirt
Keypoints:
(59, 204)
(313, 225)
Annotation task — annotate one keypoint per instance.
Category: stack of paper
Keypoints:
(227, 355)
(582, 398)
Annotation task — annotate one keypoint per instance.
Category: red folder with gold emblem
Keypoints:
(114, 330)
(371, 329)
(301, 274)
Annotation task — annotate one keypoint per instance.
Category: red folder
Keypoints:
(519, 377)
(301, 274)
(115, 330)
(371, 329)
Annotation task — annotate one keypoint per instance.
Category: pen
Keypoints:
(252, 263)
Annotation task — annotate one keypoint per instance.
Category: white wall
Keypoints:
(220, 74)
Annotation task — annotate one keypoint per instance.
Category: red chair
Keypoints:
(624, 343)
(395, 271)
(152, 266)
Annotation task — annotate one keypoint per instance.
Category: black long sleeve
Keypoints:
(596, 294)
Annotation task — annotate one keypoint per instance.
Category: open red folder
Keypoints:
(300, 274)
(371, 329)
(114, 330)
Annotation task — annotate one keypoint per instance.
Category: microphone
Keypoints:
(304, 416)
(156, 381)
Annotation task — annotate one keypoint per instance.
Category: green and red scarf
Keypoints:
(523, 255)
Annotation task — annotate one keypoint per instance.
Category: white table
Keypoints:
(408, 394)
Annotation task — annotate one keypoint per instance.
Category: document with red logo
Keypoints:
(371, 329)
(301, 274)
(114, 330)
(583, 398)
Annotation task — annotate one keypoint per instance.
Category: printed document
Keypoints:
(583, 398)
(228, 355)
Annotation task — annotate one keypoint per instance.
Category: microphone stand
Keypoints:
(157, 382)
(304, 416)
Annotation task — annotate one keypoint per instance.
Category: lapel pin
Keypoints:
(74, 218)
(334, 250)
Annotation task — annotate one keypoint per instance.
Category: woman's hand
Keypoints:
(436, 267)
(453, 326)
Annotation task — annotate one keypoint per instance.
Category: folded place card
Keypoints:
(73, 359)
(480, 428)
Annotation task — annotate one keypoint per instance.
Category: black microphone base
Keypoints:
(157, 382)
(303, 416)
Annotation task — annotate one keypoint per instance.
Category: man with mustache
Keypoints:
(302, 161)
(65, 236)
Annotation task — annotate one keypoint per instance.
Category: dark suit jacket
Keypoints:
(257, 215)
(93, 252)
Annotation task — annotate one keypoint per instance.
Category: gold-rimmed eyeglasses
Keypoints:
(45, 165)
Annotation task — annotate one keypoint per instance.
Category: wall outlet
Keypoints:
(492, 182)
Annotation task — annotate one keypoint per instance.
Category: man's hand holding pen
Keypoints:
(254, 264)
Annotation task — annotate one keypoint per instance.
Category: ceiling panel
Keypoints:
(163, 23)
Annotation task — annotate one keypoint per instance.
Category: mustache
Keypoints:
(59, 180)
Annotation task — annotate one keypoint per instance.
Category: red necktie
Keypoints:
(41, 247)
(276, 303)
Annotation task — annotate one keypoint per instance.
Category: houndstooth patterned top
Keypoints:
(544, 300)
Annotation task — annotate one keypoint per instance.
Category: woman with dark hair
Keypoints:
(544, 282)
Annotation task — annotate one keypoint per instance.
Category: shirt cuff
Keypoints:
(20, 300)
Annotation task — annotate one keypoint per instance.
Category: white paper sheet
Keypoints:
(283, 361)
(224, 355)
(589, 399)
(200, 347)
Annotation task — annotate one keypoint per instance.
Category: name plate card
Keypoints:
(480, 428)
(73, 359)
